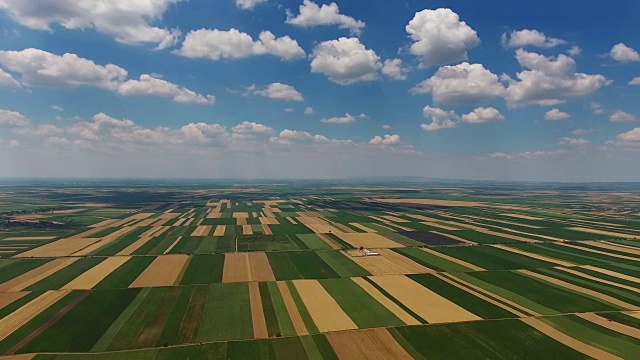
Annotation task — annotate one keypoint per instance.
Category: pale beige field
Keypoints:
(163, 271)
(266, 229)
(104, 241)
(7, 298)
(394, 219)
(269, 221)
(431, 202)
(534, 256)
(612, 273)
(632, 258)
(292, 309)
(438, 225)
(388, 263)
(19, 238)
(368, 240)
(93, 276)
(324, 310)
(247, 230)
(611, 325)
(603, 232)
(29, 278)
(454, 260)
(172, 245)
(220, 229)
(520, 216)
(369, 344)
(608, 246)
(422, 301)
(386, 302)
(597, 279)
(257, 314)
(62, 247)
(242, 267)
(203, 230)
(12, 322)
(363, 228)
(134, 246)
(240, 215)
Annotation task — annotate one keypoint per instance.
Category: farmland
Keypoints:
(225, 270)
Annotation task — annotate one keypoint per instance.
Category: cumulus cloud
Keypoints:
(249, 4)
(440, 119)
(624, 54)
(634, 81)
(129, 24)
(483, 115)
(524, 38)
(596, 108)
(13, 119)
(461, 84)
(345, 61)
(234, 44)
(574, 51)
(621, 116)
(567, 141)
(346, 119)
(252, 128)
(393, 69)
(288, 137)
(308, 111)
(277, 91)
(556, 115)
(387, 127)
(57, 108)
(440, 37)
(629, 138)
(6, 80)
(311, 14)
(549, 81)
(387, 140)
(41, 130)
(289, 110)
(41, 68)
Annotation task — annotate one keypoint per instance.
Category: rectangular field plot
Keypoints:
(431, 238)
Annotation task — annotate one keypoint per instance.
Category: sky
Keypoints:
(488, 90)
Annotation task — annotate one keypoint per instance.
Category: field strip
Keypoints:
(386, 302)
(19, 357)
(241, 221)
(366, 344)
(9, 298)
(62, 247)
(324, 310)
(259, 267)
(179, 222)
(525, 217)
(481, 296)
(12, 322)
(455, 238)
(611, 325)
(363, 228)
(567, 340)
(424, 218)
(163, 271)
(533, 255)
(236, 268)
(431, 202)
(247, 230)
(612, 273)
(452, 259)
(601, 252)
(394, 219)
(219, 231)
(188, 222)
(322, 228)
(422, 301)
(635, 314)
(579, 289)
(368, 240)
(329, 241)
(269, 220)
(603, 232)
(19, 238)
(155, 231)
(438, 225)
(104, 241)
(257, 314)
(597, 279)
(388, 263)
(173, 245)
(134, 246)
(104, 223)
(343, 227)
(44, 268)
(294, 314)
(93, 276)
(608, 246)
(621, 245)
(201, 230)
(504, 222)
(496, 233)
(291, 220)
(26, 280)
(266, 230)
(85, 234)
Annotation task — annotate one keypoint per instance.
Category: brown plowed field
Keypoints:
(369, 344)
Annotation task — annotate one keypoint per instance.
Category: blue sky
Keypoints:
(298, 89)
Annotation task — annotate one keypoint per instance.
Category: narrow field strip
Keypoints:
(9, 298)
(324, 310)
(568, 340)
(362, 227)
(533, 255)
(603, 232)
(104, 241)
(579, 289)
(202, 230)
(386, 302)
(368, 240)
(370, 344)
(422, 301)
(292, 309)
(600, 252)
(219, 231)
(62, 247)
(247, 230)
(163, 271)
(25, 280)
(597, 279)
(609, 246)
(93, 276)
(173, 245)
(611, 325)
(453, 260)
(454, 237)
(12, 322)
(612, 273)
(257, 314)
(388, 263)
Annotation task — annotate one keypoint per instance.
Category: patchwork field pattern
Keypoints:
(335, 271)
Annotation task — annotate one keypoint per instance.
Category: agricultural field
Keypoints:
(319, 270)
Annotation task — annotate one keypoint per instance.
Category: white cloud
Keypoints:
(549, 81)
(567, 141)
(57, 108)
(524, 38)
(461, 84)
(483, 115)
(346, 119)
(574, 51)
(393, 69)
(345, 61)
(41, 68)
(289, 110)
(234, 44)
(13, 119)
(631, 137)
(6, 80)
(581, 131)
(440, 37)
(151, 86)
(41, 130)
(311, 14)
(387, 127)
(387, 140)
(248, 4)
(596, 108)
(528, 155)
(556, 115)
(277, 91)
(308, 111)
(440, 119)
(621, 116)
(624, 54)
(128, 23)
(252, 128)
(635, 81)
